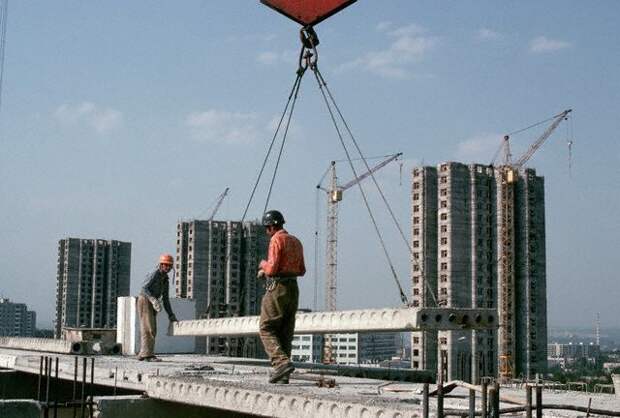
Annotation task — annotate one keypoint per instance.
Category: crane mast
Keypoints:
(334, 196)
(509, 174)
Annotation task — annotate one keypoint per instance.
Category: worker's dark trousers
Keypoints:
(277, 321)
(148, 327)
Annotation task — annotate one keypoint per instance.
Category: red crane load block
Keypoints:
(308, 12)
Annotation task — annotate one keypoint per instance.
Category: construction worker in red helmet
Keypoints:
(153, 294)
(285, 262)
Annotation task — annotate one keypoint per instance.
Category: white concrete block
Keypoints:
(128, 327)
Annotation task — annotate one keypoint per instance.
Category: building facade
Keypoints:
(456, 215)
(353, 348)
(16, 320)
(216, 265)
(91, 275)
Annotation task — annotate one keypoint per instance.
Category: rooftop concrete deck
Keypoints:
(215, 382)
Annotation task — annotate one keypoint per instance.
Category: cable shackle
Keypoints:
(308, 55)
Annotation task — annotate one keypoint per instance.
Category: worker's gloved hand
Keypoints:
(260, 274)
(156, 304)
(172, 318)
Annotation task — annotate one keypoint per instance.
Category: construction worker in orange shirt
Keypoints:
(285, 262)
(154, 293)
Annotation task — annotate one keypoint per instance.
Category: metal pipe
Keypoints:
(528, 401)
(483, 400)
(539, 409)
(425, 401)
(92, 386)
(56, 389)
(497, 397)
(48, 372)
(494, 413)
(40, 377)
(472, 403)
(75, 378)
(116, 377)
(440, 399)
(83, 411)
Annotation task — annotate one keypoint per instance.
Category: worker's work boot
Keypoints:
(282, 381)
(281, 372)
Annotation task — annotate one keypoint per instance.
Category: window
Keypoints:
(443, 179)
(416, 352)
(443, 192)
(444, 167)
(443, 340)
(443, 216)
(416, 267)
(443, 204)
(416, 291)
(416, 340)
(416, 196)
(416, 208)
(444, 241)
(416, 185)
(416, 364)
(416, 231)
(416, 280)
(416, 244)
(443, 278)
(416, 303)
(416, 220)
(443, 291)
(444, 253)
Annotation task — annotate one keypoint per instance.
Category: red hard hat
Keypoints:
(166, 259)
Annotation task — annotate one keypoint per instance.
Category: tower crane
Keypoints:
(334, 194)
(508, 177)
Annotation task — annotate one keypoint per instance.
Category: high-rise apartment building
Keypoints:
(91, 274)
(16, 320)
(456, 213)
(216, 264)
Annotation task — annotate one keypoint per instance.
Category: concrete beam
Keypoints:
(366, 320)
(47, 345)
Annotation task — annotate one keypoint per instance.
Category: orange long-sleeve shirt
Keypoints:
(285, 257)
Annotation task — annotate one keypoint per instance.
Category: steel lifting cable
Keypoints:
(284, 136)
(292, 96)
(323, 85)
(403, 297)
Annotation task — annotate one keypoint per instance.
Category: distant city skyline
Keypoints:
(118, 119)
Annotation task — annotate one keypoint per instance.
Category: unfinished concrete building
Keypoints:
(455, 221)
(216, 264)
(91, 275)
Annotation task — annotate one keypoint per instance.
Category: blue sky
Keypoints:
(119, 118)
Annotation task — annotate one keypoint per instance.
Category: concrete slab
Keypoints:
(20, 408)
(128, 327)
(213, 382)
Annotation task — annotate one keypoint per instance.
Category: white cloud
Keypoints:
(479, 148)
(271, 57)
(224, 127)
(383, 26)
(543, 44)
(89, 114)
(408, 45)
(486, 34)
